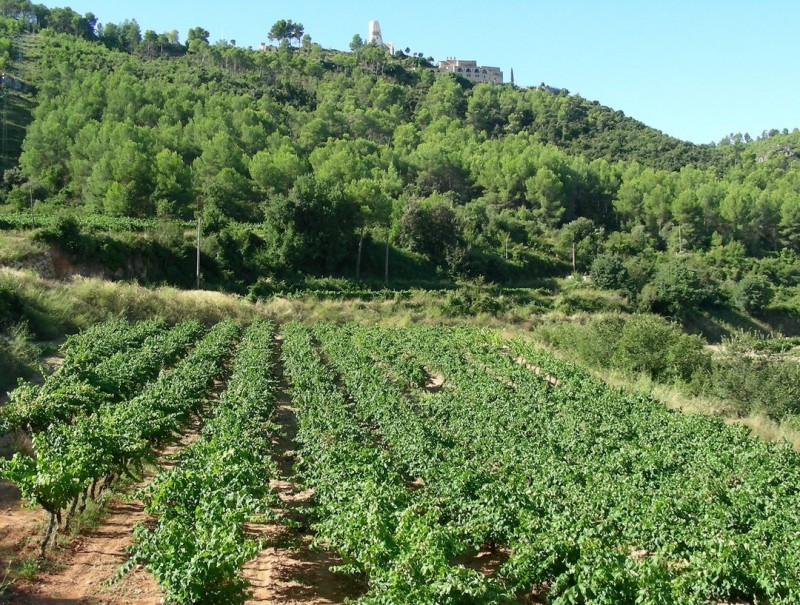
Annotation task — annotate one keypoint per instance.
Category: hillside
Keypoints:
(17, 95)
(442, 338)
(304, 161)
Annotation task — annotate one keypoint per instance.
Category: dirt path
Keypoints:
(81, 569)
(288, 571)
(92, 559)
(19, 527)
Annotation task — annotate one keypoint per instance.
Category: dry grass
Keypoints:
(15, 248)
(676, 398)
(82, 301)
(769, 430)
(310, 309)
(137, 302)
(420, 308)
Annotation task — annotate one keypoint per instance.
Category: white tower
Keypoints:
(374, 34)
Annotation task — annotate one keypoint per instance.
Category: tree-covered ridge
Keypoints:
(320, 149)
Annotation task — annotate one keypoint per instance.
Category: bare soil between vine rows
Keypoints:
(289, 571)
(77, 571)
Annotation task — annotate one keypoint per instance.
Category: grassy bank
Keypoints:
(35, 311)
(682, 371)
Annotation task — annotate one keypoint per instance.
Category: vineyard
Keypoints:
(447, 465)
(90, 222)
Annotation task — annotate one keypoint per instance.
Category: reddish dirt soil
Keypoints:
(435, 382)
(288, 571)
(91, 560)
(538, 371)
(79, 572)
(19, 526)
(485, 561)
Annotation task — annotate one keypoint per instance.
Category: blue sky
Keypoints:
(697, 70)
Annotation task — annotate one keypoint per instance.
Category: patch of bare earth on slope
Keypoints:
(434, 382)
(288, 570)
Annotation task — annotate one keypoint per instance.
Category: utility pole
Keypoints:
(573, 257)
(360, 248)
(386, 261)
(5, 119)
(30, 193)
(197, 271)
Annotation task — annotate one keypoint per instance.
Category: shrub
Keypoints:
(687, 357)
(639, 343)
(643, 346)
(18, 353)
(676, 288)
(753, 293)
(587, 300)
(66, 232)
(658, 348)
(757, 381)
(608, 271)
(592, 343)
(11, 303)
(472, 299)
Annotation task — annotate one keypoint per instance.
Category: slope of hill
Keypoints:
(17, 95)
(316, 161)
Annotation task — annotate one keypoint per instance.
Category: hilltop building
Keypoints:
(374, 33)
(374, 36)
(471, 70)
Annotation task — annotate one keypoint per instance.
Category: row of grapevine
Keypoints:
(364, 499)
(116, 439)
(597, 495)
(197, 546)
(90, 222)
(84, 383)
(79, 351)
(92, 345)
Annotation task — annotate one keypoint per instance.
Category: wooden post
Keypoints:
(360, 247)
(197, 270)
(386, 261)
(573, 258)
